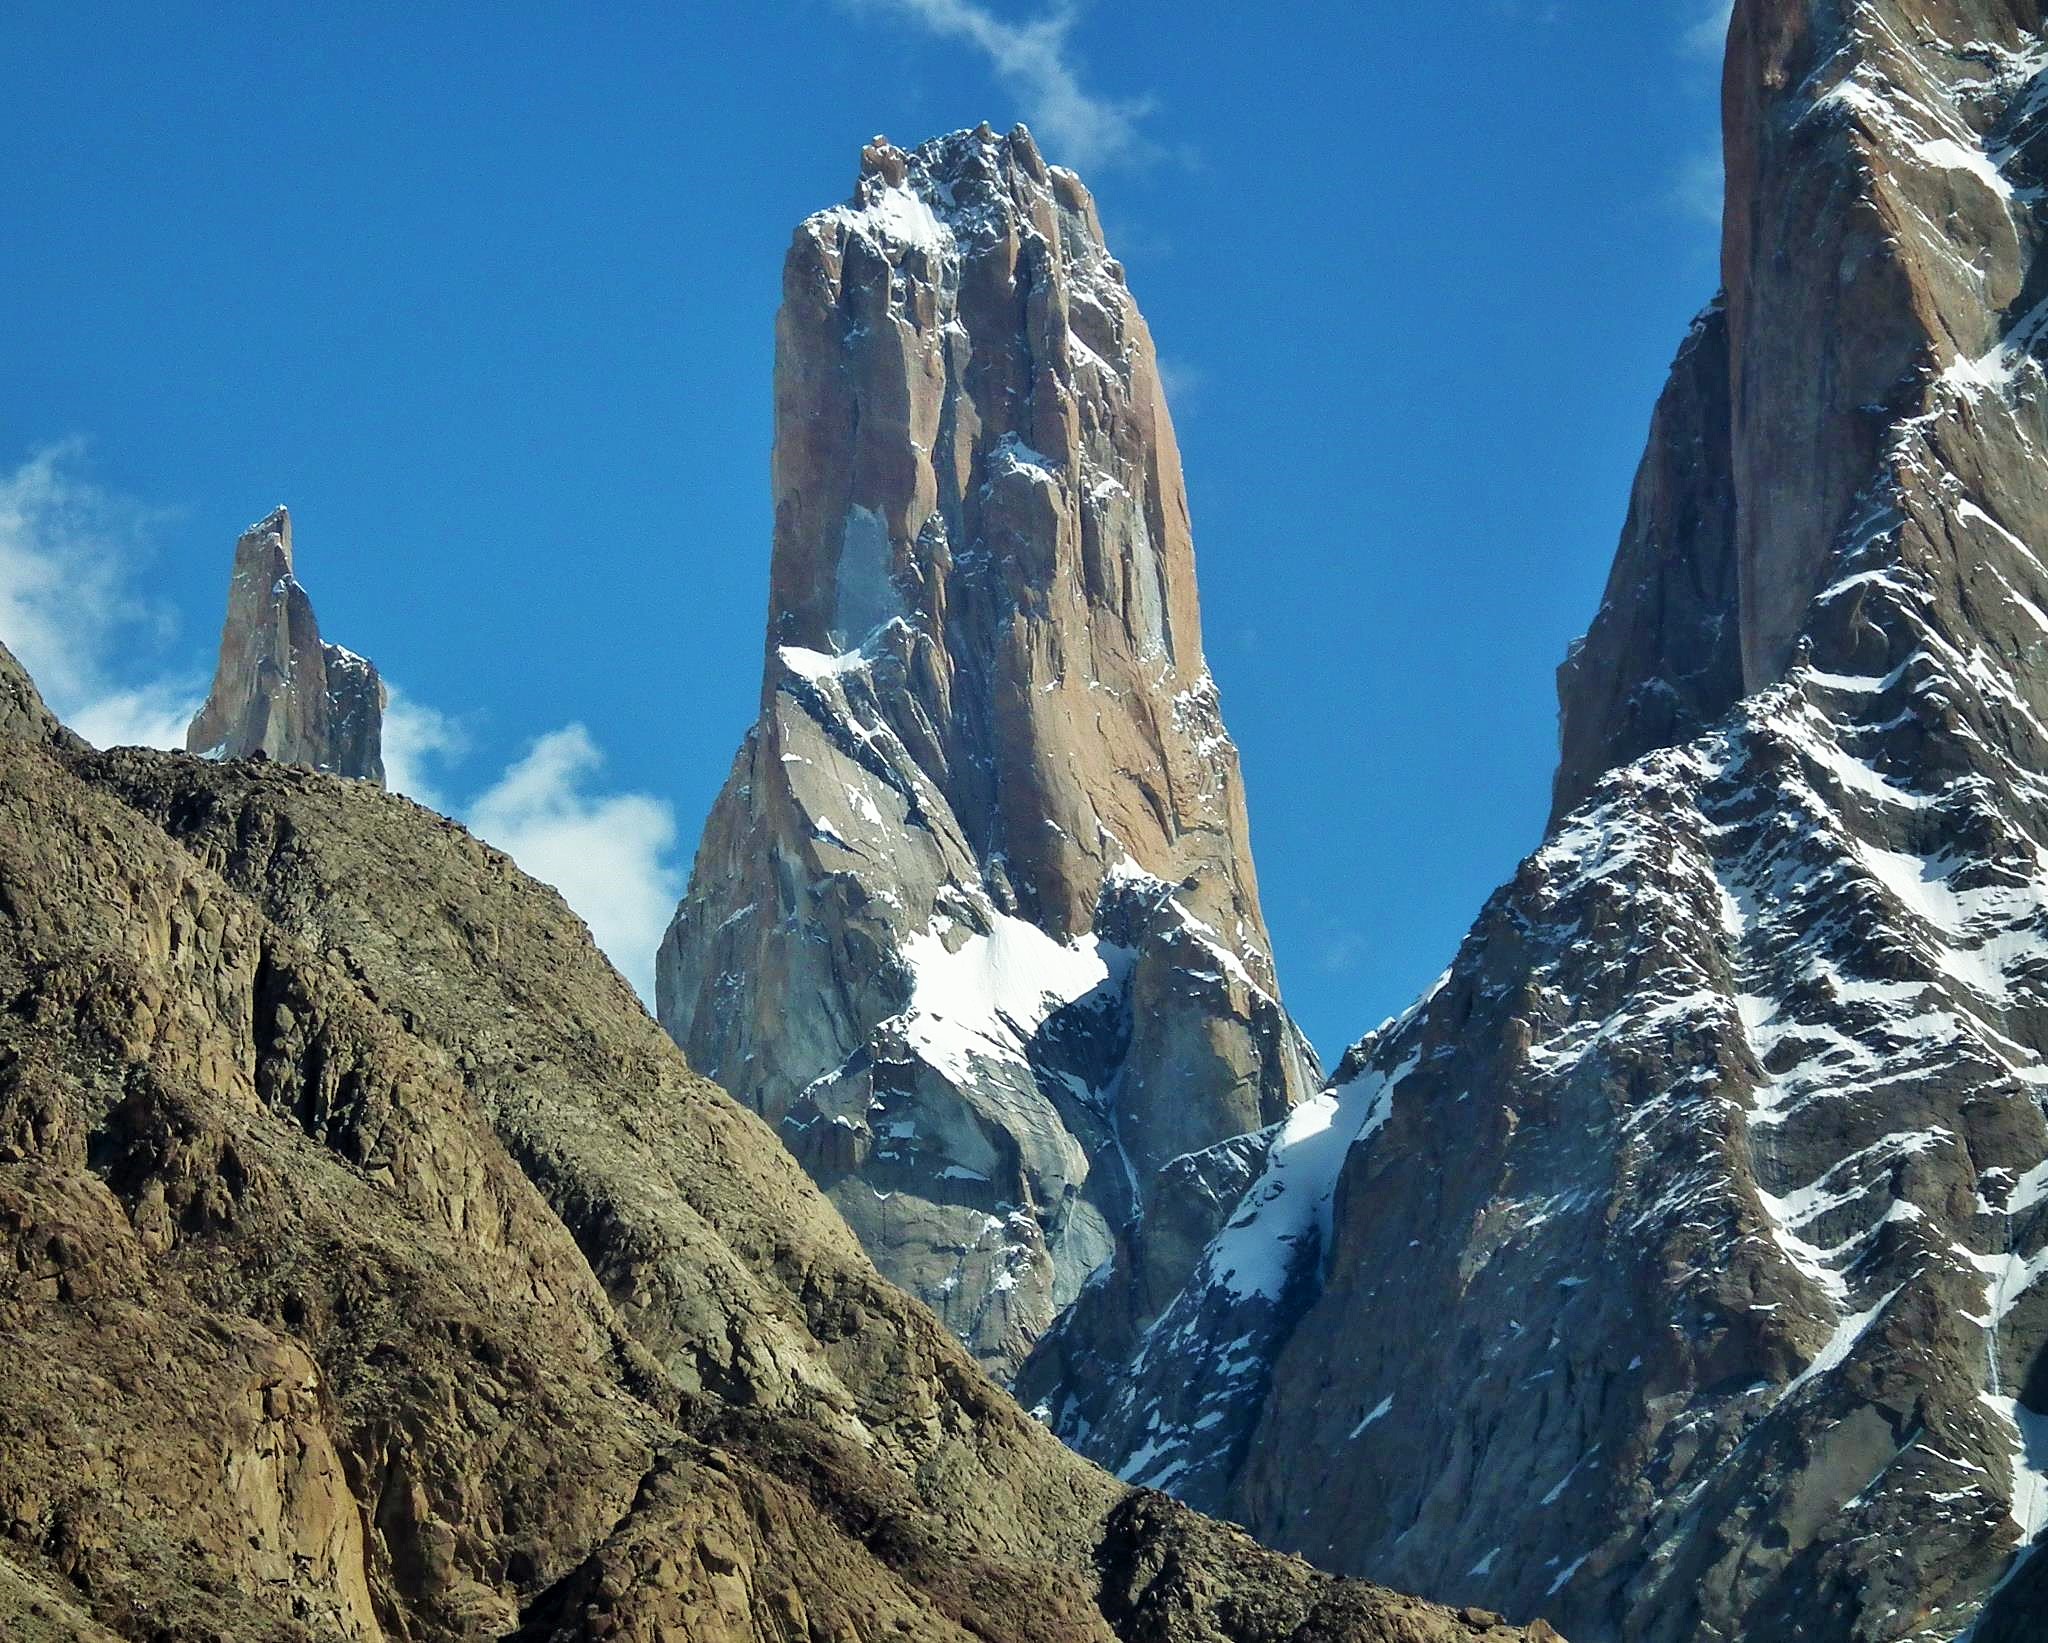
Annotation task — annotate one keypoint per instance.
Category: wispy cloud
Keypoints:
(1707, 35)
(1698, 186)
(68, 611)
(1034, 59)
(1182, 379)
(417, 737)
(1338, 953)
(610, 854)
(150, 715)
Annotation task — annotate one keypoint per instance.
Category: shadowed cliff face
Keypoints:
(974, 921)
(1673, 1266)
(372, 1267)
(1662, 659)
(1877, 231)
(278, 691)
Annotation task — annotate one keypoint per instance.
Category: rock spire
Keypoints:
(974, 921)
(279, 692)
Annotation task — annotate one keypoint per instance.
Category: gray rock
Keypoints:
(373, 1268)
(279, 692)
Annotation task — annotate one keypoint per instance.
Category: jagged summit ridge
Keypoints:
(279, 691)
(950, 192)
(975, 920)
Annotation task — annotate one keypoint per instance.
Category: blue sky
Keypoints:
(485, 294)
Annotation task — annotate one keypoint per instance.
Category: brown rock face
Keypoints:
(279, 692)
(372, 1267)
(974, 921)
(1676, 1266)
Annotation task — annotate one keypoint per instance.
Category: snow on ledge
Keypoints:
(985, 997)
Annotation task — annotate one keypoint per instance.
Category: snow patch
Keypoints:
(1839, 1345)
(894, 216)
(1377, 1411)
(1565, 1574)
(819, 665)
(983, 997)
(2028, 1433)
(1289, 1206)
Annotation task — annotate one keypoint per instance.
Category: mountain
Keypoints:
(974, 921)
(279, 692)
(1673, 1267)
(372, 1267)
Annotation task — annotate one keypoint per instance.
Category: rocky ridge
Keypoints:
(1673, 1266)
(372, 1267)
(974, 921)
(279, 692)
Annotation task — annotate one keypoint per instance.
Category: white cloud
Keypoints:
(608, 853)
(152, 715)
(1708, 34)
(1034, 59)
(1181, 378)
(1339, 953)
(1699, 186)
(67, 550)
(415, 735)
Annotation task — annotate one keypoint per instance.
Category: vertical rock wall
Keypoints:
(1673, 1268)
(279, 691)
(974, 921)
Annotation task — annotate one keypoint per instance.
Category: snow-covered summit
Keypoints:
(965, 189)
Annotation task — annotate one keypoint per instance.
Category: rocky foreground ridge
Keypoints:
(372, 1267)
(279, 692)
(1674, 1266)
(974, 921)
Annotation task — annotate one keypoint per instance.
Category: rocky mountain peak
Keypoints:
(279, 691)
(1900, 137)
(1674, 1266)
(975, 919)
(975, 184)
(985, 489)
